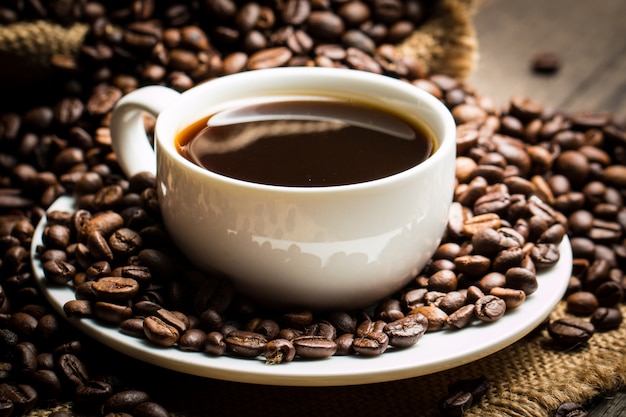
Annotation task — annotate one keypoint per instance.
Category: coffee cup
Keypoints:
(343, 245)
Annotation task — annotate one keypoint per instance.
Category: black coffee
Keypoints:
(306, 142)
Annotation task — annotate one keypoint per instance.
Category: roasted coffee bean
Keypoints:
(547, 62)
(47, 384)
(325, 25)
(297, 319)
(456, 404)
(279, 351)
(570, 409)
(470, 265)
(487, 241)
(160, 332)
(105, 223)
(139, 273)
(545, 255)
(520, 278)
(444, 281)
(606, 318)
(215, 343)
(93, 393)
(23, 324)
(461, 318)
(245, 343)
(22, 397)
(571, 331)
(133, 327)
(322, 329)
(125, 242)
(371, 343)
(59, 272)
(508, 258)
(345, 344)
(314, 347)
(124, 401)
(98, 270)
(406, 331)
(175, 319)
(489, 308)
(56, 236)
(112, 313)
(269, 58)
(266, 327)
(436, 317)
(513, 298)
(72, 369)
(115, 289)
(452, 301)
(609, 293)
(490, 281)
(389, 310)
(582, 303)
(478, 387)
(78, 308)
(149, 409)
(6, 407)
(25, 358)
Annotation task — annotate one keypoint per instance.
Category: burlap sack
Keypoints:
(445, 44)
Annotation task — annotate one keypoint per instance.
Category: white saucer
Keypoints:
(433, 352)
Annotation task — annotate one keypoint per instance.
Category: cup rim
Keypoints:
(446, 143)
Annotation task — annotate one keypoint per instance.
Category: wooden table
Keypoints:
(590, 38)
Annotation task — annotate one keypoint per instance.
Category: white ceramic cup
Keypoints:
(318, 247)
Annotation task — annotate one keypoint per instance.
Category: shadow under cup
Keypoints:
(338, 247)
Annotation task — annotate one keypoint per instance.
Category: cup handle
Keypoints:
(128, 135)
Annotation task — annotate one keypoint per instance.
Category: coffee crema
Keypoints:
(306, 142)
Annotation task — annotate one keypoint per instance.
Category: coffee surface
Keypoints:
(306, 142)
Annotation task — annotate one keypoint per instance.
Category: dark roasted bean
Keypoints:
(461, 317)
(22, 397)
(93, 393)
(149, 409)
(455, 405)
(279, 351)
(571, 331)
(489, 308)
(570, 409)
(314, 347)
(435, 316)
(406, 331)
(160, 332)
(245, 343)
(371, 343)
(606, 318)
(72, 369)
(215, 343)
(115, 289)
(124, 401)
(111, 312)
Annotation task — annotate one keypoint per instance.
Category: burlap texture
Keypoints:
(529, 378)
(26, 49)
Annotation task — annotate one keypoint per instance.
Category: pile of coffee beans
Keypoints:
(526, 176)
(181, 43)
